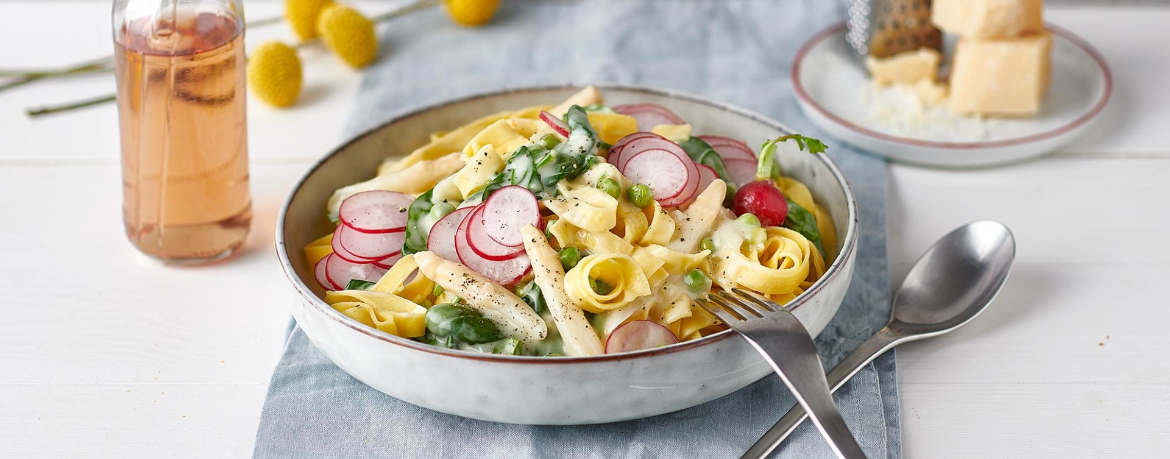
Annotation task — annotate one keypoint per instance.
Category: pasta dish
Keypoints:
(570, 230)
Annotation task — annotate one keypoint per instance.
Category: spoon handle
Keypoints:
(873, 347)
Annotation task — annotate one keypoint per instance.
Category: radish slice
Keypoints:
(319, 273)
(372, 246)
(706, 175)
(506, 211)
(476, 236)
(649, 115)
(344, 253)
(376, 211)
(555, 123)
(340, 272)
(666, 174)
(389, 261)
(739, 171)
(730, 149)
(641, 145)
(639, 335)
(615, 152)
(441, 239)
(505, 272)
(645, 142)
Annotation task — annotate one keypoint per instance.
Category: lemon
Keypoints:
(274, 74)
(472, 13)
(302, 16)
(349, 34)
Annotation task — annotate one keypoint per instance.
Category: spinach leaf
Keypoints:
(802, 221)
(702, 153)
(540, 169)
(509, 346)
(416, 237)
(358, 284)
(462, 323)
(532, 295)
(434, 340)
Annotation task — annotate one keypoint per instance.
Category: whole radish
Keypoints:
(760, 197)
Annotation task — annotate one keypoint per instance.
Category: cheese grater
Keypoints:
(883, 28)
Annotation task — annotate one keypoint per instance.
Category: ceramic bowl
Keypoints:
(546, 390)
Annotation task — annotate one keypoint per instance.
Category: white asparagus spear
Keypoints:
(699, 218)
(585, 97)
(579, 336)
(503, 307)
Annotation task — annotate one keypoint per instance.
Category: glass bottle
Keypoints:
(179, 66)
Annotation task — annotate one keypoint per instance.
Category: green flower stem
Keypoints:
(105, 63)
(75, 105)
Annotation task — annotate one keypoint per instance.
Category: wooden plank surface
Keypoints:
(104, 353)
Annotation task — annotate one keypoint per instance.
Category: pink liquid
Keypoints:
(181, 104)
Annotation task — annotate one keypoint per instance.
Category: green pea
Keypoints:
(549, 142)
(640, 195)
(569, 256)
(441, 210)
(437, 291)
(696, 280)
(600, 286)
(707, 244)
(610, 187)
(749, 220)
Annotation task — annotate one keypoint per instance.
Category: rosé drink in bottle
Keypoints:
(181, 104)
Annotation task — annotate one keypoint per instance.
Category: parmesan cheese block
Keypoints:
(1001, 77)
(988, 18)
(907, 68)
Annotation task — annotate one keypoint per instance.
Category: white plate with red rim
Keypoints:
(834, 91)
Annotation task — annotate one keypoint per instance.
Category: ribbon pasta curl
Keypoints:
(621, 273)
(776, 267)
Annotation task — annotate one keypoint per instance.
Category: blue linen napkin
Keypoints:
(738, 51)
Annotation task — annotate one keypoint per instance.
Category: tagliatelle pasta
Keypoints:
(318, 249)
(776, 266)
(455, 140)
(622, 277)
(525, 234)
(569, 235)
(386, 312)
(586, 208)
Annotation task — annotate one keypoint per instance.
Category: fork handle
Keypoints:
(873, 347)
(791, 352)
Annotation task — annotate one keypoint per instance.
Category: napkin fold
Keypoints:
(738, 51)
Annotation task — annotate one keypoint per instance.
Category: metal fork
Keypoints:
(787, 346)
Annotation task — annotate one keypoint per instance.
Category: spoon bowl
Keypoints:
(954, 280)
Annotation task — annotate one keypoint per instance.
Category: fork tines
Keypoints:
(730, 306)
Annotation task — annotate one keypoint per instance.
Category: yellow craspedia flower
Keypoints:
(302, 16)
(472, 13)
(349, 34)
(274, 74)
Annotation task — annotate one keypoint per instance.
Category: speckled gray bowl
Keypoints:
(543, 390)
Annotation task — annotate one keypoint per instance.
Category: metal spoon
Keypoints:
(948, 286)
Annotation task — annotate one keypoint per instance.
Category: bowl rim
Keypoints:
(954, 147)
(849, 242)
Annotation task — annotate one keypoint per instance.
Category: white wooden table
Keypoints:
(105, 353)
